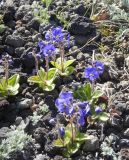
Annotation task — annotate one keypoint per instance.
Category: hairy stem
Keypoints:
(62, 57)
(36, 61)
(72, 133)
(6, 68)
(47, 66)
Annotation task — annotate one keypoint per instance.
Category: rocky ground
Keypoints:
(22, 32)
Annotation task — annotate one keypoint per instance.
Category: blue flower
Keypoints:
(55, 35)
(46, 49)
(99, 66)
(66, 95)
(81, 120)
(71, 111)
(83, 113)
(52, 121)
(61, 132)
(49, 50)
(98, 110)
(64, 102)
(91, 73)
(83, 105)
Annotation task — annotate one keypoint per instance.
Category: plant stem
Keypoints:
(6, 65)
(47, 66)
(62, 58)
(92, 86)
(36, 61)
(72, 133)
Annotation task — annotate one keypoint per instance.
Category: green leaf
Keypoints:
(13, 80)
(103, 106)
(47, 86)
(3, 83)
(2, 28)
(58, 143)
(13, 90)
(83, 93)
(103, 116)
(68, 133)
(81, 137)
(97, 94)
(73, 148)
(56, 64)
(88, 91)
(34, 79)
(42, 74)
(68, 63)
(52, 73)
(68, 71)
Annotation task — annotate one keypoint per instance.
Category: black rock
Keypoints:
(80, 9)
(10, 50)
(34, 23)
(126, 123)
(22, 10)
(81, 26)
(14, 41)
(19, 51)
(39, 136)
(124, 143)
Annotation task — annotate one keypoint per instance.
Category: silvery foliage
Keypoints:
(107, 149)
(116, 8)
(16, 140)
(37, 115)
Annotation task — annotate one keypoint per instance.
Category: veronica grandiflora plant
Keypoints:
(8, 85)
(57, 37)
(45, 79)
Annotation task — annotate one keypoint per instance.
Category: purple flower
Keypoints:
(41, 45)
(58, 34)
(49, 50)
(83, 105)
(38, 56)
(98, 110)
(99, 66)
(71, 111)
(64, 102)
(91, 73)
(46, 49)
(66, 95)
(10, 61)
(52, 121)
(81, 120)
(61, 132)
(55, 35)
(83, 113)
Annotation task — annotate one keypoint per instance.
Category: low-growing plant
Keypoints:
(60, 40)
(16, 140)
(8, 85)
(37, 115)
(47, 2)
(40, 13)
(63, 66)
(70, 137)
(107, 150)
(80, 108)
(45, 80)
(56, 41)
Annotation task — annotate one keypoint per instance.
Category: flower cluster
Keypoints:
(58, 37)
(54, 38)
(77, 111)
(92, 73)
(7, 58)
